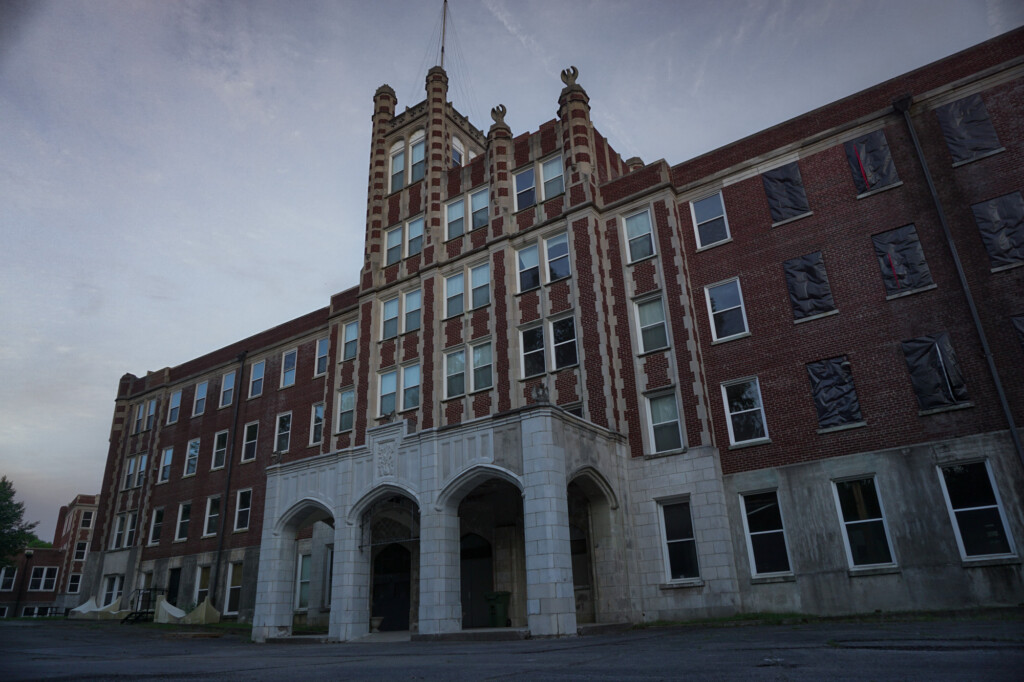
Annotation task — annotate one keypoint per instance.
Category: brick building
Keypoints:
(782, 376)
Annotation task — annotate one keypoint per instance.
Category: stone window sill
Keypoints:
(979, 157)
(1008, 266)
(666, 453)
(727, 240)
(879, 190)
(731, 338)
(772, 579)
(843, 427)
(873, 570)
(985, 562)
(945, 408)
(682, 584)
(827, 313)
(750, 443)
(911, 292)
(793, 219)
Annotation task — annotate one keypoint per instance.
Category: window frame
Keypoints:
(166, 463)
(749, 534)
(663, 504)
(548, 260)
(192, 457)
(7, 581)
(413, 244)
(862, 177)
(86, 514)
(649, 234)
(397, 151)
(341, 412)
(535, 247)
(380, 393)
(711, 312)
(555, 345)
(696, 225)
(417, 169)
(303, 561)
(637, 305)
(256, 389)
(322, 348)
(998, 506)
(239, 509)
(484, 267)
(212, 516)
(219, 447)
(174, 407)
(227, 389)
(449, 221)
(316, 414)
(47, 575)
(406, 387)
(81, 551)
(155, 526)
(233, 592)
(652, 437)
(729, 414)
(846, 524)
(346, 353)
(389, 247)
(449, 375)
(448, 298)
(199, 589)
(183, 518)
(246, 441)
(74, 585)
(542, 350)
(386, 318)
(406, 311)
(199, 398)
(288, 375)
(473, 366)
(279, 433)
(486, 208)
(150, 414)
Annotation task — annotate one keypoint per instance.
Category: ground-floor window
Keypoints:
(975, 510)
(74, 583)
(234, 587)
(112, 586)
(680, 546)
(302, 582)
(766, 539)
(202, 584)
(866, 534)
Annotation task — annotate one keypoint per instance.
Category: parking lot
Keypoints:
(987, 647)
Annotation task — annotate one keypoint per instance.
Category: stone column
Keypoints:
(550, 602)
(440, 598)
(275, 587)
(350, 584)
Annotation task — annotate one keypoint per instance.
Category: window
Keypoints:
(184, 514)
(139, 409)
(651, 320)
(639, 236)
(453, 293)
(557, 250)
(234, 587)
(835, 399)
(481, 366)
(112, 585)
(243, 504)
(784, 189)
(480, 285)
(934, 371)
(202, 583)
(866, 535)
(533, 351)
(348, 351)
(156, 525)
(809, 291)
(191, 457)
(74, 583)
(86, 519)
(7, 574)
(709, 221)
(212, 516)
(227, 389)
(901, 260)
(288, 361)
(220, 450)
(665, 432)
(680, 547)
(302, 582)
(744, 411)
(175, 407)
(346, 409)
(199, 403)
(456, 152)
(551, 172)
(316, 424)
(150, 414)
(398, 166)
(117, 539)
(410, 387)
(563, 333)
(393, 246)
(725, 306)
(455, 215)
(766, 539)
(130, 528)
(870, 162)
(81, 548)
(284, 432)
(165, 465)
(1001, 224)
(968, 130)
(388, 392)
(455, 374)
(529, 268)
(322, 347)
(418, 153)
(249, 437)
(414, 237)
(478, 203)
(975, 510)
(255, 378)
(413, 301)
(129, 473)
(389, 329)
(526, 192)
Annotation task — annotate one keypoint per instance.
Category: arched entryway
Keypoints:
(595, 539)
(390, 534)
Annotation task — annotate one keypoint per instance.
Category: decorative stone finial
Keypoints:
(570, 75)
(498, 114)
(540, 393)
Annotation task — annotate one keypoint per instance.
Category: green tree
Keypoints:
(15, 534)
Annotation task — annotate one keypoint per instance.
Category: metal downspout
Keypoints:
(902, 106)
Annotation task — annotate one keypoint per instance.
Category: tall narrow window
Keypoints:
(456, 152)
(86, 519)
(1001, 224)
(651, 320)
(199, 404)
(249, 438)
(175, 407)
(156, 526)
(117, 539)
(346, 410)
(212, 516)
(709, 221)
(393, 246)
(725, 307)
(665, 432)
(288, 362)
(744, 411)
(256, 378)
(220, 449)
(557, 250)
(478, 202)
(766, 538)
(563, 335)
(192, 457)
(639, 235)
(533, 351)
(455, 218)
(453, 291)
(389, 327)
(243, 504)
(680, 545)
(413, 301)
(234, 588)
(418, 154)
(202, 584)
(316, 424)
(975, 510)
(455, 374)
(351, 341)
(112, 586)
(150, 414)
(784, 189)
(870, 162)
(934, 371)
(227, 389)
(184, 514)
(481, 367)
(284, 432)
(529, 268)
(968, 130)
(398, 166)
(74, 583)
(480, 283)
(140, 474)
(139, 411)
(901, 260)
(81, 549)
(809, 292)
(322, 349)
(526, 193)
(414, 237)
(302, 582)
(129, 473)
(867, 538)
(165, 465)
(410, 387)
(7, 574)
(551, 171)
(388, 393)
(835, 398)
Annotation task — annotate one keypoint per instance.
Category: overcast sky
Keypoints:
(178, 175)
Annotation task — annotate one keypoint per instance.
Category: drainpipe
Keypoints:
(21, 584)
(902, 106)
(215, 572)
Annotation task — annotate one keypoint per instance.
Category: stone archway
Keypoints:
(390, 536)
(598, 562)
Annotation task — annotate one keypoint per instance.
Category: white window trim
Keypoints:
(546, 274)
(402, 388)
(245, 430)
(177, 526)
(659, 393)
(407, 237)
(196, 411)
(553, 367)
(345, 340)
(666, 562)
(213, 452)
(312, 423)
(88, 513)
(326, 355)
(176, 396)
(226, 387)
(522, 350)
(461, 273)
(348, 389)
(400, 229)
(397, 300)
(487, 208)
(284, 363)
(725, 218)
(44, 571)
(449, 353)
(238, 500)
(519, 271)
(277, 431)
(845, 524)
(4, 576)
(299, 581)
(467, 284)
(160, 479)
(538, 181)
(640, 328)
(85, 551)
(227, 588)
(262, 364)
(188, 449)
(952, 514)
(711, 315)
(206, 517)
(447, 221)
(471, 366)
(199, 583)
(396, 149)
(381, 394)
(749, 540)
(77, 585)
(404, 311)
(152, 526)
(728, 414)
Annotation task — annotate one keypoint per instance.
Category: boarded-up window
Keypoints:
(834, 396)
(901, 260)
(934, 371)
(870, 162)
(785, 191)
(967, 129)
(809, 291)
(1001, 223)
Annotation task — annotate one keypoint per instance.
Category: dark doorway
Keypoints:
(173, 582)
(477, 575)
(391, 581)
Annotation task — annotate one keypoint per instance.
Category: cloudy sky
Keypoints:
(177, 175)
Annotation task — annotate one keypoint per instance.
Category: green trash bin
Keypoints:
(497, 608)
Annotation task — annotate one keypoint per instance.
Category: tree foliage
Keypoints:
(15, 534)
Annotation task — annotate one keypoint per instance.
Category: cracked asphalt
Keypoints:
(976, 648)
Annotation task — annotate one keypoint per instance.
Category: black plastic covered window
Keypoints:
(934, 371)
(785, 191)
(870, 162)
(834, 395)
(809, 292)
(967, 128)
(1001, 223)
(1018, 324)
(901, 260)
